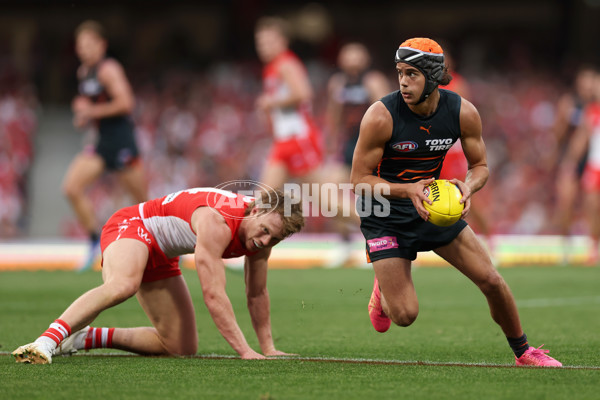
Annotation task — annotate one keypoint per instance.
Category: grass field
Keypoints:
(453, 351)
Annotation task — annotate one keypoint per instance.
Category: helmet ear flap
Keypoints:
(437, 73)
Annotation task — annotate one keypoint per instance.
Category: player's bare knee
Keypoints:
(403, 316)
(493, 283)
(71, 192)
(122, 290)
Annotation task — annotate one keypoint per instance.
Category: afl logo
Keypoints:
(404, 147)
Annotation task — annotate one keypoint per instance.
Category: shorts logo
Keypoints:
(382, 243)
(124, 225)
(143, 234)
(405, 147)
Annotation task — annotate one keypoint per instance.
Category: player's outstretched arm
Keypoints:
(213, 237)
(259, 306)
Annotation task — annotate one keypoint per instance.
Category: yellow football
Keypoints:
(446, 207)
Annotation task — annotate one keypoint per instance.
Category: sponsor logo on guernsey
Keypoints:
(439, 144)
(382, 243)
(422, 128)
(404, 147)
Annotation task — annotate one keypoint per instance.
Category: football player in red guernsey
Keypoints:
(141, 246)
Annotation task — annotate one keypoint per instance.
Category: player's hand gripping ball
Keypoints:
(446, 208)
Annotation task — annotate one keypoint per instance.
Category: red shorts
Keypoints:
(455, 166)
(591, 179)
(127, 223)
(300, 155)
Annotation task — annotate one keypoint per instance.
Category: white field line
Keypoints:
(561, 301)
(339, 360)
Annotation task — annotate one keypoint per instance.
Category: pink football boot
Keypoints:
(380, 321)
(537, 356)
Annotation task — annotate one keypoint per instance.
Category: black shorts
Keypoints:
(116, 143)
(403, 232)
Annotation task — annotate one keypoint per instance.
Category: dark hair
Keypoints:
(446, 77)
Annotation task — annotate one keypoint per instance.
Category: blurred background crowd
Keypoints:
(196, 78)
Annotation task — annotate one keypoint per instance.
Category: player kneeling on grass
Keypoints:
(141, 246)
(402, 143)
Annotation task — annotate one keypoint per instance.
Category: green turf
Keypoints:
(322, 313)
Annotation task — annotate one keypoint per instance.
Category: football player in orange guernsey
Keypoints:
(141, 246)
(402, 142)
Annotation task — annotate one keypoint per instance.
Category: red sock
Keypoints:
(98, 338)
(58, 331)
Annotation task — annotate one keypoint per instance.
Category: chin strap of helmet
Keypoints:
(431, 66)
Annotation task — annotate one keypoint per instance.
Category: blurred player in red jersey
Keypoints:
(455, 164)
(350, 93)
(141, 246)
(297, 151)
(569, 117)
(287, 94)
(585, 145)
(106, 100)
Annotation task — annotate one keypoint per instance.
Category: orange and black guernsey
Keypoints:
(418, 144)
(116, 142)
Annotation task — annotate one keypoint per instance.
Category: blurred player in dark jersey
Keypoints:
(585, 145)
(105, 101)
(350, 93)
(569, 116)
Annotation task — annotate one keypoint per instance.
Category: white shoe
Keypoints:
(72, 344)
(33, 353)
